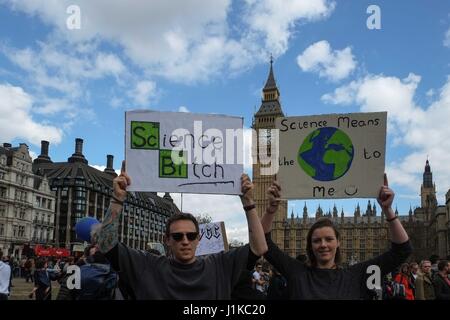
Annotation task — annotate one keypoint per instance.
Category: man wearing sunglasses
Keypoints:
(183, 275)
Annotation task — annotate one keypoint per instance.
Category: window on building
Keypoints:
(349, 243)
(21, 232)
(2, 175)
(2, 210)
(44, 202)
(2, 229)
(37, 201)
(286, 244)
(15, 230)
(80, 192)
(2, 192)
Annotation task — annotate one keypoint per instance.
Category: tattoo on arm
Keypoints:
(108, 235)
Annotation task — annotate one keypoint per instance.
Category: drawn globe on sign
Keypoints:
(326, 154)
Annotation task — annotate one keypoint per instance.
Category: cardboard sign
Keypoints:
(213, 238)
(183, 152)
(332, 156)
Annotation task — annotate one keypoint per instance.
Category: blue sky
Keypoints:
(58, 83)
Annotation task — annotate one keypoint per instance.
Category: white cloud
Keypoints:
(50, 106)
(447, 38)
(334, 65)
(422, 130)
(183, 109)
(344, 95)
(33, 155)
(182, 40)
(116, 102)
(274, 20)
(98, 167)
(33, 62)
(102, 168)
(58, 76)
(16, 121)
(143, 92)
(108, 64)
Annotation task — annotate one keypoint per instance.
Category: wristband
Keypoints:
(392, 219)
(249, 207)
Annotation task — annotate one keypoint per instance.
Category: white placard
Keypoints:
(213, 238)
(183, 152)
(332, 156)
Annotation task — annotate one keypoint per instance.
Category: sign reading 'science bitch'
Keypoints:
(183, 152)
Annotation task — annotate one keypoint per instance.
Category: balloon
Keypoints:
(83, 228)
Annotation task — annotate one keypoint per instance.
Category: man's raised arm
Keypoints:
(256, 237)
(107, 236)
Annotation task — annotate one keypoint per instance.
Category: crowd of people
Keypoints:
(98, 280)
(259, 270)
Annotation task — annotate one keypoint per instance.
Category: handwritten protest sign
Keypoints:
(213, 238)
(183, 152)
(332, 156)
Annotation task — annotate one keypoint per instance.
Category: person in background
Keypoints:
(441, 281)
(403, 277)
(413, 269)
(424, 282)
(277, 287)
(5, 278)
(258, 279)
(42, 281)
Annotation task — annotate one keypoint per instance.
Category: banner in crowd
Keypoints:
(183, 152)
(332, 156)
(213, 238)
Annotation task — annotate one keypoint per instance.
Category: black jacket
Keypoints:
(441, 288)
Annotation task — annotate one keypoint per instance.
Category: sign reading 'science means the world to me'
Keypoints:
(332, 156)
(183, 152)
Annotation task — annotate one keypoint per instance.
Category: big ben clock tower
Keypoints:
(264, 120)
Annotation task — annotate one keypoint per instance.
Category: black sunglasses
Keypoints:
(178, 236)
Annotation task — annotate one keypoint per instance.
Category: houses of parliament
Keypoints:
(363, 235)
